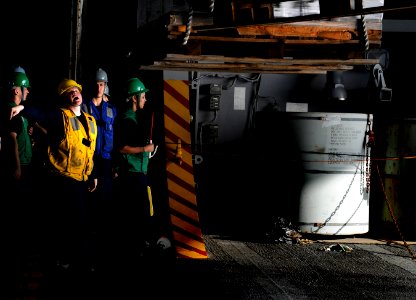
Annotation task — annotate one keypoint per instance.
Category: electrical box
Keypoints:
(215, 89)
(214, 103)
(210, 133)
(211, 97)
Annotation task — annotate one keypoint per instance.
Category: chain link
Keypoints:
(362, 165)
(340, 203)
(369, 143)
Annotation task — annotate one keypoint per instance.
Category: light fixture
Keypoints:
(335, 85)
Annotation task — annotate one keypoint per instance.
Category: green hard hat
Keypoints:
(135, 86)
(19, 79)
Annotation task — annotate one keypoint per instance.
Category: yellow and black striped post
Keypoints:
(183, 208)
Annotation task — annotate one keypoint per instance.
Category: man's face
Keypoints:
(100, 88)
(74, 96)
(22, 92)
(25, 93)
(142, 100)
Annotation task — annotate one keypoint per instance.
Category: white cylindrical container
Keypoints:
(334, 199)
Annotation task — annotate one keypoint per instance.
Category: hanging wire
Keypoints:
(253, 105)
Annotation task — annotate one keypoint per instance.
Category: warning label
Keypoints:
(342, 142)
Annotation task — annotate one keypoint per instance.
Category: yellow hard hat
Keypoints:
(66, 85)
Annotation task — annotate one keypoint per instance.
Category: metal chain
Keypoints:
(362, 177)
(368, 168)
(365, 33)
(360, 166)
(365, 164)
(368, 145)
(188, 26)
(340, 203)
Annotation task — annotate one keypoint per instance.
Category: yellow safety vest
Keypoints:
(74, 155)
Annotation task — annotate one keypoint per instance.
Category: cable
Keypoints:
(365, 33)
(188, 26)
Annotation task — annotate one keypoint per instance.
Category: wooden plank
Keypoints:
(280, 61)
(275, 48)
(234, 39)
(335, 35)
(286, 31)
(241, 67)
(271, 40)
(324, 37)
(307, 29)
(203, 68)
(326, 42)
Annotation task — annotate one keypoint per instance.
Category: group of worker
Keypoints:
(74, 159)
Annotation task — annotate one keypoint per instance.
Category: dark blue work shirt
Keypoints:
(104, 116)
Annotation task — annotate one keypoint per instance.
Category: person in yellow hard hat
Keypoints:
(71, 140)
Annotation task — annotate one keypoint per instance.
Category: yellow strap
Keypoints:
(149, 194)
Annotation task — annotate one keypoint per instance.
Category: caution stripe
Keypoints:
(187, 234)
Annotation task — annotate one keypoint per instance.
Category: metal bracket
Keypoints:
(385, 93)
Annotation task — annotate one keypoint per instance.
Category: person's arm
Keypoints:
(37, 114)
(15, 126)
(128, 141)
(15, 110)
(41, 129)
(93, 179)
(92, 185)
(131, 150)
(17, 171)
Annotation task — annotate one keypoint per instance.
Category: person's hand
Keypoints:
(92, 185)
(16, 110)
(17, 174)
(153, 153)
(149, 147)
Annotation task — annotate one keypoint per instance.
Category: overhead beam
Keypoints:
(314, 17)
(276, 61)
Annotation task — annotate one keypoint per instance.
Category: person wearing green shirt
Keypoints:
(133, 147)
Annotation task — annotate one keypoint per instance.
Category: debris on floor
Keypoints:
(336, 248)
(283, 231)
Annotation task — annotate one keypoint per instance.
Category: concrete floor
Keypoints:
(314, 268)
(368, 269)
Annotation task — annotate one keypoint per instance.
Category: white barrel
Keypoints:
(334, 199)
